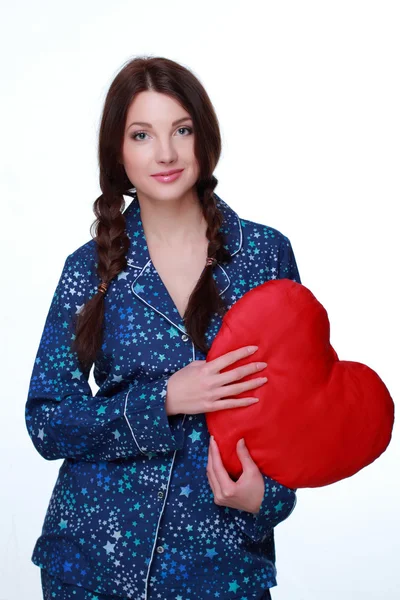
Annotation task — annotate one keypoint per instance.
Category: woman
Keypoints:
(143, 507)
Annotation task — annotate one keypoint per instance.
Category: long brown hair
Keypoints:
(168, 77)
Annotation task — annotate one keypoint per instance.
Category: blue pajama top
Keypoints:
(132, 513)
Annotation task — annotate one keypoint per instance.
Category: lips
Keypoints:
(172, 176)
(165, 173)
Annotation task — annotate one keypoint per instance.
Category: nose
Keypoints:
(166, 152)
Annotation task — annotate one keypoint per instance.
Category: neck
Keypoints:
(172, 222)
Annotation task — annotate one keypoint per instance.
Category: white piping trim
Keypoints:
(241, 236)
(152, 307)
(158, 526)
(134, 266)
(166, 495)
(233, 253)
(184, 417)
(129, 425)
(160, 517)
(229, 281)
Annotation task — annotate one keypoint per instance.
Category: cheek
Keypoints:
(190, 155)
(135, 160)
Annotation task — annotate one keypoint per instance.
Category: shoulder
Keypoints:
(261, 235)
(85, 255)
(266, 247)
(79, 278)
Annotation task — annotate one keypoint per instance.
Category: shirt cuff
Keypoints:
(153, 430)
(277, 504)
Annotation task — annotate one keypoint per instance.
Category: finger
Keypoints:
(211, 483)
(244, 455)
(211, 475)
(239, 388)
(232, 403)
(227, 359)
(221, 474)
(238, 373)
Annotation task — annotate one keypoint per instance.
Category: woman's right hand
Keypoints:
(199, 387)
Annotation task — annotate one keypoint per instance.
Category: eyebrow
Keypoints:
(144, 124)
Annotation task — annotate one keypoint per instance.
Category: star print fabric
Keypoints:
(71, 422)
(54, 589)
(132, 514)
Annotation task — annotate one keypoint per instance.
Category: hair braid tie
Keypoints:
(211, 261)
(102, 287)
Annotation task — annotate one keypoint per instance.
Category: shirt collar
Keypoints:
(138, 253)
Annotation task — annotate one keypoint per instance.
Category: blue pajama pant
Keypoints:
(55, 589)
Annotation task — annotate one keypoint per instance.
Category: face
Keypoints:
(159, 145)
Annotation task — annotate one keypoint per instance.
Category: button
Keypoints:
(160, 494)
(185, 337)
(160, 549)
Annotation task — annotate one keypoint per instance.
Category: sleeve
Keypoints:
(277, 504)
(64, 419)
(287, 262)
(279, 501)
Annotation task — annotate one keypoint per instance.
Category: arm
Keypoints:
(64, 419)
(277, 504)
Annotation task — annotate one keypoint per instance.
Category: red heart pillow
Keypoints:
(319, 419)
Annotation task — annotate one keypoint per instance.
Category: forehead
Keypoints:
(155, 108)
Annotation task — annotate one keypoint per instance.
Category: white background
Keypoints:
(307, 94)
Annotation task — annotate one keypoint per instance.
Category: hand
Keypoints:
(199, 387)
(247, 492)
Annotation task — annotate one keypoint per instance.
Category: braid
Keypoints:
(205, 299)
(111, 237)
(214, 219)
(164, 76)
(112, 246)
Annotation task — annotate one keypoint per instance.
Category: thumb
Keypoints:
(244, 454)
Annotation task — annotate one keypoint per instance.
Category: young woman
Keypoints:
(143, 507)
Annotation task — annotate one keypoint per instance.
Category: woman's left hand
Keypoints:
(247, 492)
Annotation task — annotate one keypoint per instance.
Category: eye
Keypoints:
(134, 135)
(189, 129)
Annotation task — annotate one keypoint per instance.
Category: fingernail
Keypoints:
(252, 349)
